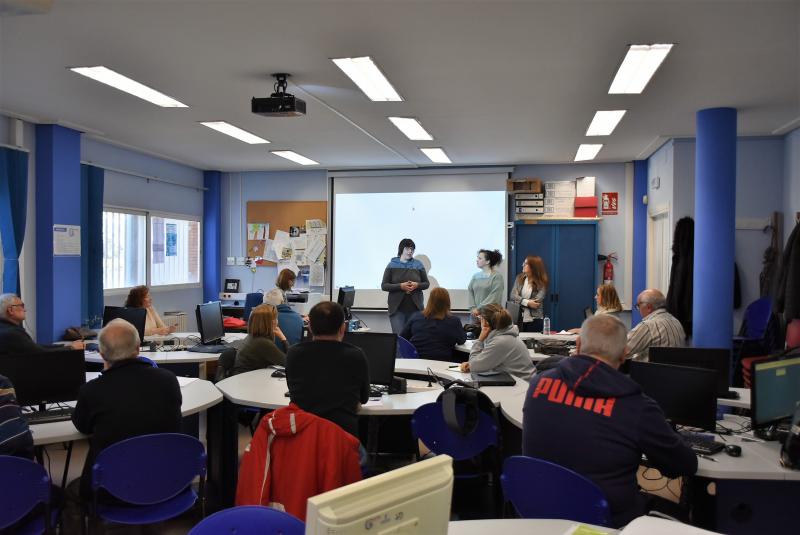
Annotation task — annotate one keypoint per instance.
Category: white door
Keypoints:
(659, 244)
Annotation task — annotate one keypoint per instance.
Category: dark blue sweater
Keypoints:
(589, 417)
(434, 339)
(291, 323)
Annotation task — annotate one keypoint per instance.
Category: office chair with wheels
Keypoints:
(250, 301)
(541, 489)
(250, 520)
(405, 349)
(27, 487)
(152, 475)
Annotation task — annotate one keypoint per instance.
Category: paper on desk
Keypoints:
(183, 381)
(580, 529)
(650, 525)
(374, 402)
(316, 275)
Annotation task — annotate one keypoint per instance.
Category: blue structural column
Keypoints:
(639, 235)
(212, 233)
(58, 202)
(715, 224)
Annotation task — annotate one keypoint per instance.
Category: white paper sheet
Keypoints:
(288, 264)
(66, 240)
(316, 227)
(316, 276)
(300, 242)
(316, 244)
(269, 252)
(281, 245)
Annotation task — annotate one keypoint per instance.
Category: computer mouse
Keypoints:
(733, 450)
(278, 373)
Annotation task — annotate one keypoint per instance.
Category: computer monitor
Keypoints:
(686, 395)
(135, 316)
(381, 350)
(347, 296)
(411, 500)
(209, 322)
(718, 360)
(776, 390)
(46, 376)
(515, 312)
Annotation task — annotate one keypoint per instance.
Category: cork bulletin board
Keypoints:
(282, 215)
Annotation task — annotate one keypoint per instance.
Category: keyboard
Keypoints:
(49, 416)
(702, 444)
(215, 348)
(376, 391)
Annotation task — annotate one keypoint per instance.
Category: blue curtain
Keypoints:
(91, 243)
(13, 204)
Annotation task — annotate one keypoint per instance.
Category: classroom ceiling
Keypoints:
(494, 82)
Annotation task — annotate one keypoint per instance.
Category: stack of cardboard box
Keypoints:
(528, 197)
(559, 200)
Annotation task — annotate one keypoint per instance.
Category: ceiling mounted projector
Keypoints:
(280, 103)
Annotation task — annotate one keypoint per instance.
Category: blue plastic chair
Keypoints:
(755, 321)
(250, 520)
(541, 489)
(406, 349)
(250, 301)
(27, 486)
(152, 475)
(428, 425)
(150, 361)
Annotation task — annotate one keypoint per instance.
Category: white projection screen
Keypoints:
(449, 217)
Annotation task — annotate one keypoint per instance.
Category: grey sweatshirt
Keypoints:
(502, 351)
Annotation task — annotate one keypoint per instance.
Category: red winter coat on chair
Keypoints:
(295, 455)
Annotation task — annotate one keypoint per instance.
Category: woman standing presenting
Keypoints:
(529, 291)
(404, 278)
(486, 286)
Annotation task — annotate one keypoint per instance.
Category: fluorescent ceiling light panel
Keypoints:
(639, 65)
(604, 122)
(411, 128)
(436, 155)
(297, 158)
(234, 131)
(369, 78)
(587, 151)
(116, 80)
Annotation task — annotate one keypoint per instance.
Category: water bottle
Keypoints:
(546, 325)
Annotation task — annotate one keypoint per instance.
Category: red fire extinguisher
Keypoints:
(608, 268)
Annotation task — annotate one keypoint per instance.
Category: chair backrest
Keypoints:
(541, 489)
(149, 469)
(793, 334)
(405, 349)
(150, 361)
(250, 520)
(251, 300)
(756, 318)
(428, 424)
(225, 364)
(26, 486)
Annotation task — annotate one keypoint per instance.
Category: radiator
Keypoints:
(176, 318)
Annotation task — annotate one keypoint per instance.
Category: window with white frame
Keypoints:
(142, 248)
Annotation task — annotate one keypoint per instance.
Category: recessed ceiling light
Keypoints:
(639, 65)
(234, 131)
(604, 122)
(297, 158)
(411, 128)
(587, 151)
(104, 75)
(436, 155)
(369, 78)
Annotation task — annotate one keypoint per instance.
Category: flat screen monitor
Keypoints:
(45, 377)
(515, 312)
(686, 395)
(718, 360)
(381, 350)
(209, 322)
(135, 316)
(414, 500)
(776, 390)
(347, 295)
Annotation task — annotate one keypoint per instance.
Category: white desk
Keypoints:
(259, 389)
(517, 526)
(198, 395)
(742, 403)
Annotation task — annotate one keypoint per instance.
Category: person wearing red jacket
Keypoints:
(295, 455)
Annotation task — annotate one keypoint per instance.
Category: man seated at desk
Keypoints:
(587, 416)
(326, 376)
(129, 399)
(13, 338)
(658, 327)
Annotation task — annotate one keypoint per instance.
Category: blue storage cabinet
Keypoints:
(569, 251)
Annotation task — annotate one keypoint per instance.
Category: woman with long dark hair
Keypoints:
(529, 291)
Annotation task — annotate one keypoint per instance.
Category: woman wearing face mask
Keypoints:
(529, 292)
(404, 278)
(486, 286)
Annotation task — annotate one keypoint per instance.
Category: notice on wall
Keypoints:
(158, 240)
(609, 203)
(172, 239)
(316, 275)
(66, 240)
